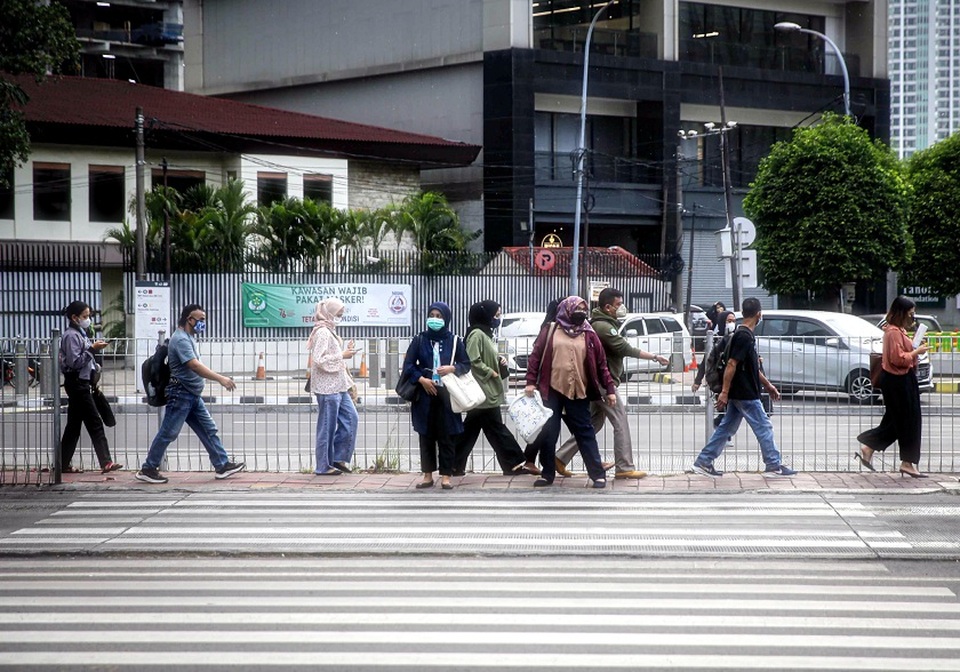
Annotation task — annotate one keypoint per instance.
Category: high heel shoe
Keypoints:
(864, 462)
(912, 474)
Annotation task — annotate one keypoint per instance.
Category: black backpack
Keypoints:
(716, 363)
(155, 373)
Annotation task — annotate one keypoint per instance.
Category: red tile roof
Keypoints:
(111, 104)
(598, 261)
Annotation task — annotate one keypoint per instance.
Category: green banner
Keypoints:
(365, 305)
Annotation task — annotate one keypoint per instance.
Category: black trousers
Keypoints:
(437, 441)
(82, 411)
(490, 422)
(901, 420)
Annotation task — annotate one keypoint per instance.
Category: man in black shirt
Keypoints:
(740, 398)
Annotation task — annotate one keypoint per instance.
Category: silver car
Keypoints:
(820, 350)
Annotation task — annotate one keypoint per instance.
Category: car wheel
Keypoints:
(859, 386)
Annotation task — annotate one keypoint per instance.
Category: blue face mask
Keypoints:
(200, 326)
(494, 323)
(435, 323)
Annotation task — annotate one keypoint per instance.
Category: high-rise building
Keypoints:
(924, 67)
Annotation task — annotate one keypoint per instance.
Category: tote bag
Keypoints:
(465, 392)
(529, 415)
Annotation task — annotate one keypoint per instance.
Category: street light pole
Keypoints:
(581, 151)
(790, 27)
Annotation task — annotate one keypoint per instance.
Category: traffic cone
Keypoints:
(692, 366)
(363, 365)
(261, 369)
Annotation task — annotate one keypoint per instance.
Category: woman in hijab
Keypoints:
(430, 356)
(569, 368)
(330, 382)
(488, 369)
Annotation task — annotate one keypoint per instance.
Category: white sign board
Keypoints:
(151, 315)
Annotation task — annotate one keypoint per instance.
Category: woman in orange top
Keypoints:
(901, 395)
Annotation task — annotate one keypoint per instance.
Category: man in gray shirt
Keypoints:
(184, 401)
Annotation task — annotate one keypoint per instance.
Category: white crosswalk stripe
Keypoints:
(779, 526)
(393, 613)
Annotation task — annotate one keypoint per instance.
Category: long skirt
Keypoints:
(901, 420)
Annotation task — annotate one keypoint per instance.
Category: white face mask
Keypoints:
(84, 324)
(731, 327)
(621, 311)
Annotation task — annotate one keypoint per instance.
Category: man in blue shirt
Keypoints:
(184, 402)
(740, 398)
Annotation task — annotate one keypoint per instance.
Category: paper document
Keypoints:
(918, 337)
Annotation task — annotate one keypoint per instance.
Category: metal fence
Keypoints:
(269, 422)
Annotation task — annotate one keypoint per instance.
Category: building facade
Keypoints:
(924, 63)
(507, 75)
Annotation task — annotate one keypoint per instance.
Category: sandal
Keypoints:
(70, 469)
(110, 466)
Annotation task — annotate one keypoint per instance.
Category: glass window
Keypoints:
(181, 180)
(6, 198)
(654, 326)
(106, 194)
(635, 326)
(318, 188)
(773, 326)
(271, 188)
(671, 324)
(51, 191)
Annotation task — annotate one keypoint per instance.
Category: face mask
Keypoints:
(435, 323)
(338, 319)
(200, 326)
(621, 311)
(494, 323)
(84, 324)
(731, 327)
(578, 317)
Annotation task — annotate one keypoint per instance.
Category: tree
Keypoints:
(934, 222)
(830, 207)
(35, 38)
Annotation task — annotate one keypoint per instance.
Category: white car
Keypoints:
(822, 350)
(659, 333)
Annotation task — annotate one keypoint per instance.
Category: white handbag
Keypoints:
(465, 392)
(529, 415)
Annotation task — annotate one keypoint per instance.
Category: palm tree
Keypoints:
(436, 231)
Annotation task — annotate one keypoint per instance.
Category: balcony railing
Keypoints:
(152, 34)
(604, 41)
(559, 167)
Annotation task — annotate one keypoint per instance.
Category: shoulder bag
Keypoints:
(407, 388)
(876, 368)
(465, 392)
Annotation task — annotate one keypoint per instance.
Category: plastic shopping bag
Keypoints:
(529, 415)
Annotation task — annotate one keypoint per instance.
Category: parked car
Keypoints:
(698, 326)
(821, 350)
(880, 319)
(659, 333)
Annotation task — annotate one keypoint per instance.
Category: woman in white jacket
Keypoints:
(330, 382)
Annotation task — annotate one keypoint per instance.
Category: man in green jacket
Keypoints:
(605, 322)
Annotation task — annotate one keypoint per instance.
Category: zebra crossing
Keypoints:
(809, 525)
(466, 613)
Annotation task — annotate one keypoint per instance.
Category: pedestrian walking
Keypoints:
(532, 450)
(605, 320)
(740, 399)
(729, 322)
(184, 401)
(901, 420)
(569, 368)
(330, 383)
(489, 369)
(77, 359)
(433, 353)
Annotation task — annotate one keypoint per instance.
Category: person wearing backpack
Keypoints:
(80, 370)
(712, 361)
(185, 403)
(740, 398)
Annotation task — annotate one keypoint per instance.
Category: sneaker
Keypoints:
(778, 470)
(706, 470)
(148, 475)
(229, 469)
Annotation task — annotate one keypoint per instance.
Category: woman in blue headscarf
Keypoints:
(430, 356)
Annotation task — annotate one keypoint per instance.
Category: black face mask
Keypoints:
(578, 317)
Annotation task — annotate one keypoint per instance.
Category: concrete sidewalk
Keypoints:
(860, 482)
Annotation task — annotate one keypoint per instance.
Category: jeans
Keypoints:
(183, 406)
(578, 422)
(337, 423)
(738, 409)
(622, 443)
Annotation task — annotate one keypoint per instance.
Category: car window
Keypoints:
(507, 322)
(671, 324)
(635, 325)
(811, 332)
(654, 325)
(773, 326)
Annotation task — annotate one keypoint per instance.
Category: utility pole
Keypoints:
(166, 223)
(677, 292)
(727, 197)
(141, 235)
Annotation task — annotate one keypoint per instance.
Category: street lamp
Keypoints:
(790, 27)
(581, 151)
